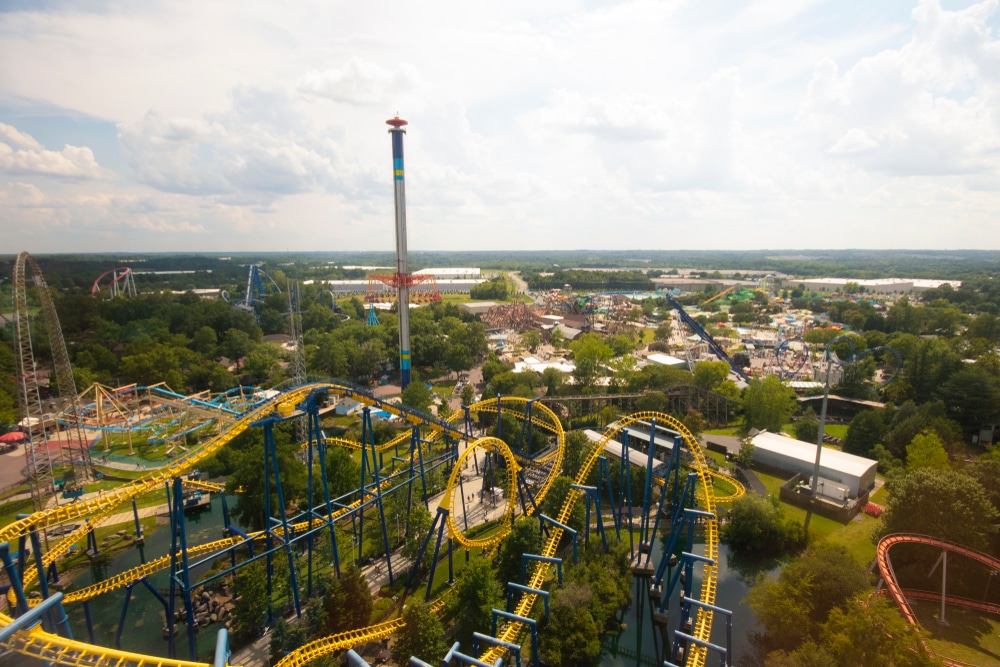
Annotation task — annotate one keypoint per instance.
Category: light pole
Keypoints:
(826, 397)
(832, 358)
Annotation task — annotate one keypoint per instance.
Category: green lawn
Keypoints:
(970, 636)
(444, 389)
(729, 430)
(855, 536)
(836, 430)
(10, 510)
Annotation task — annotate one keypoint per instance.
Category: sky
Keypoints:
(207, 126)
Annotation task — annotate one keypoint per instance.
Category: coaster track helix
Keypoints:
(59, 650)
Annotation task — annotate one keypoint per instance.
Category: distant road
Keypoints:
(522, 286)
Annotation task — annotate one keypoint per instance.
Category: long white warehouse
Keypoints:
(795, 456)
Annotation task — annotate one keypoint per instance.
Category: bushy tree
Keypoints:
(555, 498)
(942, 503)
(577, 446)
(417, 395)
(767, 404)
(757, 526)
(523, 538)
(926, 451)
(477, 593)
(870, 632)
(571, 637)
(864, 432)
(422, 635)
(710, 374)
(806, 428)
(590, 353)
(793, 607)
(250, 586)
(348, 602)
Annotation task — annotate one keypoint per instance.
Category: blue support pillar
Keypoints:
(286, 529)
(43, 585)
(546, 519)
(530, 622)
(544, 559)
(15, 579)
(513, 648)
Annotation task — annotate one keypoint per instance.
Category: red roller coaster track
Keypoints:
(121, 282)
(901, 595)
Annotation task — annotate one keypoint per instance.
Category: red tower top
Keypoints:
(396, 122)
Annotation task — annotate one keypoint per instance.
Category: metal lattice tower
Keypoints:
(38, 457)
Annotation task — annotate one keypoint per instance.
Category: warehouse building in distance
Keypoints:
(842, 476)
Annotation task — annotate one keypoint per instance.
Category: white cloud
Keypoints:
(20, 153)
(854, 141)
(635, 123)
(928, 107)
(360, 82)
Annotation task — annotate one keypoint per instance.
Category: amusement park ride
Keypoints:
(679, 500)
(39, 627)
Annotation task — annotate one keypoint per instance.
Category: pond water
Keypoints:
(142, 630)
(641, 643)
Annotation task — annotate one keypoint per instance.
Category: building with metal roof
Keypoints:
(780, 452)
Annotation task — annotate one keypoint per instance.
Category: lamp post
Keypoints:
(832, 358)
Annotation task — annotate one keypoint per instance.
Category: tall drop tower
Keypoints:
(402, 278)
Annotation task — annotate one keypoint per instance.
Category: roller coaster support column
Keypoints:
(440, 520)
(525, 495)
(545, 519)
(726, 660)
(355, 660)
(511, 587)
(368, 437)
(727, 652)
(690, 517)
(943, 562)
(22, 547)
(286, 530)
(530, 622)
(312, 410)
(139, 539)
(513, 648)
(14, 578)
(604, 477)
(222, 648)
(544, 559)
(645, 539)
(43, 584)
(453, 656)
(417, 454)
(625, 488)
(31, 617)
(526, 429)
(591, 492)
(687, 562)
(468, 433)
(124, 615)
(675, 464)
(179, 543)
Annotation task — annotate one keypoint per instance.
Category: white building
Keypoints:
(780, 452)
(878, 286)
(450, 273)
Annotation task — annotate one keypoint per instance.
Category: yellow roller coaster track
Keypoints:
(703, 627)
(59, 650)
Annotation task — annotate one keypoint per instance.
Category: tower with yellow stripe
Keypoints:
(402, 263)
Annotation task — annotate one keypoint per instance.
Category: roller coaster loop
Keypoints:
(61, 650)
